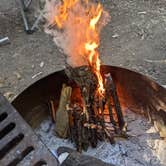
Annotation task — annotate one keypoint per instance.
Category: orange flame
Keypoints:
(93, 44)
(63, 12)
(86, 30)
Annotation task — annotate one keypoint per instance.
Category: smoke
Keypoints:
(73, 32)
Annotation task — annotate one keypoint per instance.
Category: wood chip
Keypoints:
(36, 75)
(17, 74)
(8, 95)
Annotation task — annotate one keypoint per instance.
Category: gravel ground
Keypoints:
(134, 38)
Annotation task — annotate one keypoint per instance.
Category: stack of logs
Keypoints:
(81, 114)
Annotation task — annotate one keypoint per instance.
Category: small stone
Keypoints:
(18, 152)
(41, 64)
(164, 86)
(115, 35)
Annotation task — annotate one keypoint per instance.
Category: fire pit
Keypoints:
(90, 104)
(136, 93)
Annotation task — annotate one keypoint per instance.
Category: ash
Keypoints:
(143, 148)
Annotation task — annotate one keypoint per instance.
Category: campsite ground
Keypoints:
(135, 38)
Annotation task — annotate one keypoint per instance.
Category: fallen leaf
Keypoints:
(17, 74)
(8, 95)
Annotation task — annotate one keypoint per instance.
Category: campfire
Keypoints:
(90, 98)
(83, 115)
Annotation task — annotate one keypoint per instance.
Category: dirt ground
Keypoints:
(135, 38)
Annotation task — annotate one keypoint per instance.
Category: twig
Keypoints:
(156, 61)
(53, 111)
(36, 75)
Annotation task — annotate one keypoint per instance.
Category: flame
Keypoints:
(92, 45)
(63, 12)
(79, 19)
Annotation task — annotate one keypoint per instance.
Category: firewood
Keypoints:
(116, 102)
(86, 117)
(53, 111)
(102, 105)
(62, 119)
(108, 97)
(87, 81)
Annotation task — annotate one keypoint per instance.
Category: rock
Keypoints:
(115, 35)
(41, 64)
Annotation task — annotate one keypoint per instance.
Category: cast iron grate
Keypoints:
(18, 144)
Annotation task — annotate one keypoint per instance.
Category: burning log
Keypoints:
(87, 82)
(81, 112)
(80, 115)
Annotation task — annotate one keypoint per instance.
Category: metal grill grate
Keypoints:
(18, 144)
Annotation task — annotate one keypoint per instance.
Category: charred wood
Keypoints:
(116, 102)
(85, 116)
